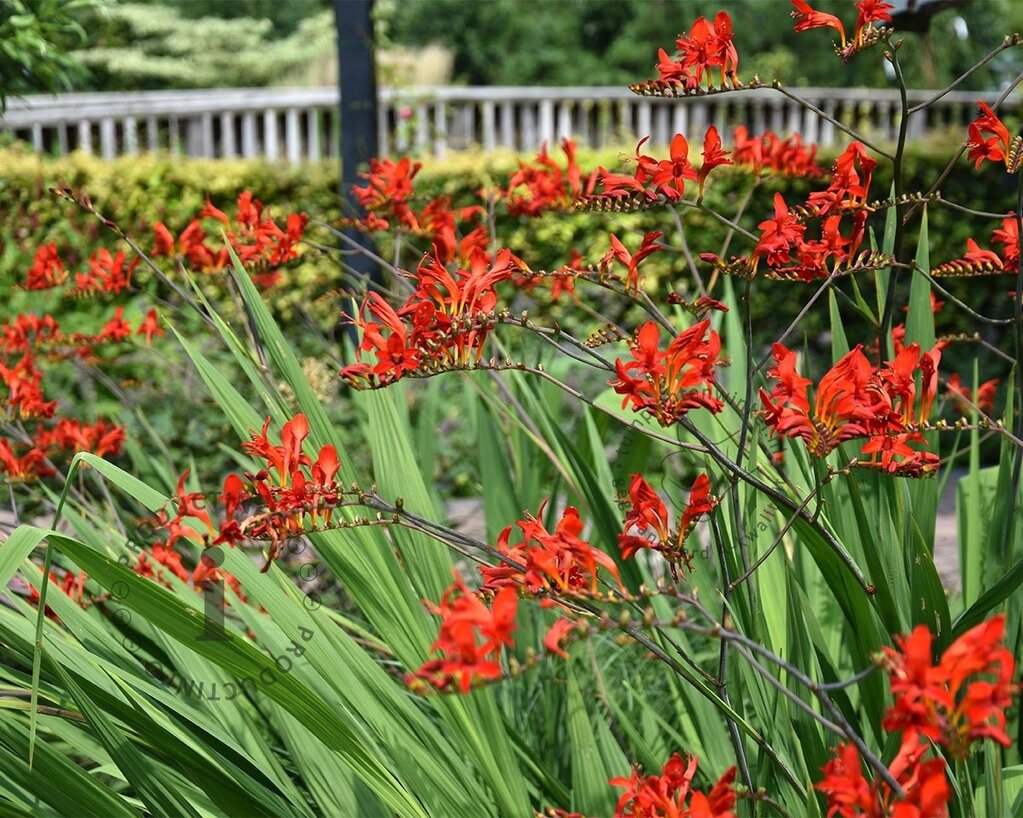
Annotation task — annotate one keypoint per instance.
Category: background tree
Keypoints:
(35, 37)
(590, 42)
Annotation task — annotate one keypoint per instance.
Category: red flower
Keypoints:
(977, 261)
(561, 561)
(713, 156)
(778, 235)
(649, 514)
(101, 438)
(767, 152)
(850, 795)
(962, 395)
(107, 274)
(618, 252)
(960, 699)
(545, 183)
(668, 176)
(990, 139)
(150, 326)
(808, 17)
(116, 329)
(870, 11)
(706, 46)
(25, 467)
(47, 270)
(470, 638)
(388, 189)
(442, 325)
(857, 400)
(665, 795)
(557, 634)
(667, 384)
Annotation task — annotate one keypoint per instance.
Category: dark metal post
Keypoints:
(357, 81)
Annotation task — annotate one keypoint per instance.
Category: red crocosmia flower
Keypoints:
(857, 400)
(713, 156)
(546, 185)
(960, 699)
(150, 326)
(388, 189)
(24, 389)
(850, 182)
(989, 139)
(163, 240)
(259, 242)
(870, 11)
(668, 384)
(620, 186)
(470, 638)
(778, 235)
(666, 176)
(962, 395)
(649, 514)
(700, 502)
(1008, 237)
(68, 434)
(560, 561)
(29, 466)
(666, 795)
(850, 795)
(442, 325)
(618, 252)
(976, 255)
(706, 46)
(788, 157)
(107, 274)
(212, 212)
(704, 304)
(47, 270)
(116, 329)
(807, 17)
(978, 261)
(557, 634)
(873, 11)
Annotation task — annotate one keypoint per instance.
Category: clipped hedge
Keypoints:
(135, 191)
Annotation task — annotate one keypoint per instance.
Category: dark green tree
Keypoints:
(36, 37)
(597, 42)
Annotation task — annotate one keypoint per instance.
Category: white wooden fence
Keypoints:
(302, 124)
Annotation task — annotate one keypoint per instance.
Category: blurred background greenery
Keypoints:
(152, 44)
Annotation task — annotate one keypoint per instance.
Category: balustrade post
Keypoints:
(489, 126)
(440, 129)
(564, 120)
(249, 142)
(508, 125)
(827, 132)
(529, 141)
(292, 136)
(270, 146)
(680, 118)
(227, 145)
(206, 135)
(422, 127)
(313, 124)
(546, 121)
(131, 136)
(85, 136)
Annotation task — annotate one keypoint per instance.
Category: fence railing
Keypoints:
(302, 124)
